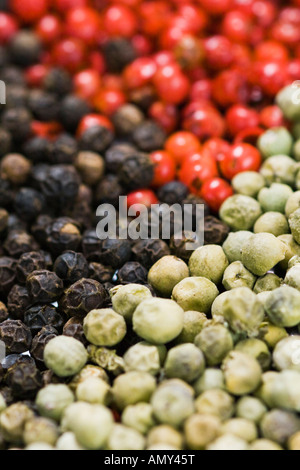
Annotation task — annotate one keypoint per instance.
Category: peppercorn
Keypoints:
(178, 244)
(149, 136)
(37, 149)
(18, 301)
(16, 96)
(40, 340)
(3, 220)
(96, 139)
(43, 105)
(29, 203)
(61, 185)
(63, 150)
(5, 141)
(44, 286)
(109, 190)
(6, 392)
(82, 212)
(7, 273)
(28, 262)
(71, 266)
(115, 252)
(25, 48)
(136, 171)
(39, 229)
(38, 316)
(72, 110)
(91, 245)
(16, 336)
(63, 234)
(127, 118)
(13, 75)
(19, 242)
(147, 252)
(15, 168)
(74, 328)
(3, 316)
(90, 166)
(118, 53)
(215, 231)
(82, 297)
(6, 194)
(132, 273)
(100, 273)
(116, 154)
(24, 379)
(173, 193)
(58, 81)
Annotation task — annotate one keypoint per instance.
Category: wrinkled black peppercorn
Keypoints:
(28, 262)
(149, 136)
(173, 193)
(136, 171)
(91, 245)
(24, 379)
(38, 316)
(3, 314)
(215, 231)
(39, 229)
(19, 242)
(72, 110)
(40, 341)
(147, 252)
(74, 328)
(16, 336)
(109, 190)
(29, 203)
(58, 81)
(71, 266)
(7, 273)
(82, 297)
(37, 149)
(44, 286)
(63, 234)
(17, 121)
(101, 273)
(116, 154)
(132, 273)
(18, 301)
(178, 245)
(63, 150)
(118, 53)
(61, 185)
(43, 105)
(115, 252)
(96, 139)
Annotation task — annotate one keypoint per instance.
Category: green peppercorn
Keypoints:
(284, 391)
(195, 293)
(240, 212)
(167, 434)
(279, 169)
(145, 357)
(132, 387)
(294, 441)
(274, 198)
(240, 427)
(193, 323)
(125, 299)
(228, 442)
(279, 426)
(283, 306)
(268, 282)
(242, 373)
(286, 354)
(106, 359)
(250, 408)
(292, 249)
(185, 362)
(68, 441)
(65, 356)
(139, 417)
(215, 341)
(13, 420)
(203, 263)
(217, 403)
(257, 349)
(209, 380)
(217, 308)
(52, 400)
(40, 430)
(166, 273)
(125, 438)
(273, 334)
(292, 277)
(248, 183)
(89, 371)
(262, 252)
(272, 222)
(201, 430)
(233, 245)
(94, 390)
(104, 327)
(236, 275)
(275, 141)
(287, 104)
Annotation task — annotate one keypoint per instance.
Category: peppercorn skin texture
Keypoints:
(71, 266)
(104, 327)
(82, 297)
(65, 356)
(202, 263)
(53, 399)
(24, 380)
(44, 286)
(195, 293)
(16, 336)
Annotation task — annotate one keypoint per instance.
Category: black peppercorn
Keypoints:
(25, 48)
(101, 273)
(48, 260)
(6, 194)
(178, 245)
(38, 316)
(127, 118)
(82, 297)
(194, 200)
(5, 141)
(28, 262)
(109, 190)
(43, 105)
(15, 223)
(96, 139)
(40, 341)
(173, 193)
(39, 229)
(44, 286)
(61, 185)
(149, 136)
(3, 314)
(147, 252)
(118, 53)
(215, 231)
(143, 97)
(16, 96)
(132, 273)
(63, 234)
(12, 75)
(72, 110)
(37, 149)
(58, 81)
(39, 174)
(136, 171)
(16, 336)
(63, 150)
(29, 203)
(71, 266)
(24, 379)
(91, 245)
(19, 242)
(17, 121)
(74, 328)
(18, 301)
(115, 252)
(7, 273)
(116, 154)
(83, 214)
(3, 220)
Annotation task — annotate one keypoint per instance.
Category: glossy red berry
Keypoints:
(216, 6)
(141, 199)
(29, 11)
(164, 168)
(237, 26)
(241, 157)
(230, 87)
(87, 84)
(35, 75)
(216, 148)
(49, 29)
(47, 130)
(196, 169)
(182, 144)
(139, 73)
(108, 101)
(83, 23)
(171, 84)
(271, 116)
(240, 117)
(271, 51)
(92, 120)
(8, 27)
(219, 52)
(119, 20)
(64, 5)
(203, 120)
(270, 76)
(70, 53)
(215, 191)
(165, 114)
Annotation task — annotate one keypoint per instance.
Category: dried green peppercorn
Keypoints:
(215, 341)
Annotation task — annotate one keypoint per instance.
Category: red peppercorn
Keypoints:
(120, 21)
(219, 52)
(86, 84)
(165, 114)
(285, 32)
(270, 76)
(83, 23)
(70, 53)
(35, 75)
(216, 148)
(142, 45)
(139, 73)
(248, 135)
(271, 116)
(163, 58)
(237, 26)
(201, 90)
(8, 27)
(230, 87)
(164, 168)
(29, 11)
(97, 62)
(216, 7)
(93, 120)
(154, 15)
(48, 130)
(171, 84)
(244, 5)
(142, 198)
(196, 169)
(241, 157)
(240, 117)
(195, 17)
(215, 191)
(181, 145)
(49, 29)
(293, 68)
(265, 12)
(271, 51)
(108, 101)
(65, 5)
(203, 120)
